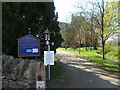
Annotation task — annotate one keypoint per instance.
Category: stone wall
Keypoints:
(21, 73)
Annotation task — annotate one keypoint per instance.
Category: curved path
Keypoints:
(80, 73)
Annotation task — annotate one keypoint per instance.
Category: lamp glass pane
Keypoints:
(46, 37)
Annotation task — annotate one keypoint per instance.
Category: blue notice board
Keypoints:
(28, 46)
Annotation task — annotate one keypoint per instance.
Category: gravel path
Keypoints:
(80, 73)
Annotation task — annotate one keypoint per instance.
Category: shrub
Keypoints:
(107, 50)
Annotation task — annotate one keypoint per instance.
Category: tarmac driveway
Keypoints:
(80, 73)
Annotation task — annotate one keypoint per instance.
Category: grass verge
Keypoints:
(56, 70)
(92, 56)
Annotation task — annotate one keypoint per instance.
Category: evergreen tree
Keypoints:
(17, 17)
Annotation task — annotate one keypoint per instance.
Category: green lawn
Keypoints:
(93, 56)
(56, 70)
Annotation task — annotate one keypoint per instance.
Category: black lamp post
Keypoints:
(47, 38)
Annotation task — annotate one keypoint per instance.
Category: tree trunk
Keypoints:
(65, 48)
(86, 48)
(103, 50)
(90, 47)
(79, 49)
(95, 46)
(102, 22)
(86, 45)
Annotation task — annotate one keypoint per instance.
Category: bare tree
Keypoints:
(105, 21)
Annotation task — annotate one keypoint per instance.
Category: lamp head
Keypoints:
(47, 34)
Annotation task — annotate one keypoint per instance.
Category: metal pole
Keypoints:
(49, 72)
(48, 65)
(48, 48)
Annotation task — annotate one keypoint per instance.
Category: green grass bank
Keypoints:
(56, 70)
(96, 57)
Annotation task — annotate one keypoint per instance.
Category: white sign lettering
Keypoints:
(28, 50)
(35, 50)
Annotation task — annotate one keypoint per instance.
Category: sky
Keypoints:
(66, 7)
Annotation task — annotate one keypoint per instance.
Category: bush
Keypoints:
(113, 52)
(110, 51)
(107, 50)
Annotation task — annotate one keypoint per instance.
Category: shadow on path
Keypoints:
(76, 78)
(80, 73)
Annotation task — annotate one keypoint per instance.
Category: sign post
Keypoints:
(48, 59)
(48, 55)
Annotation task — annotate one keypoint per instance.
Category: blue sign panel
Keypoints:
(28, 46)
